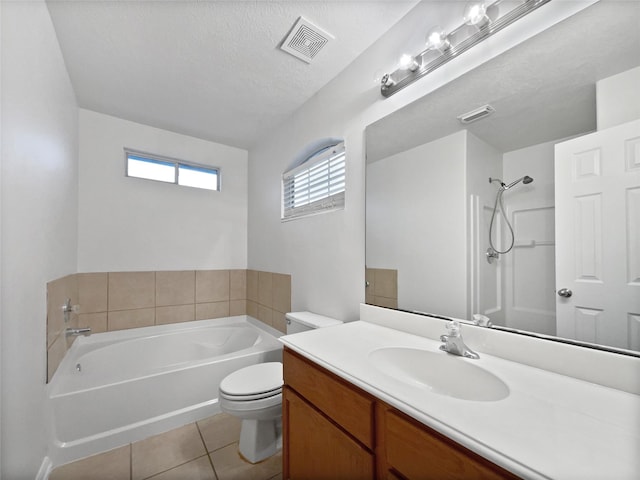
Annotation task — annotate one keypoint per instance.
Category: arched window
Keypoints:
(315, 185)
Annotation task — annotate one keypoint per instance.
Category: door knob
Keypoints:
(565, 292)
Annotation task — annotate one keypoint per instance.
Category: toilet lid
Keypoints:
(253, 380)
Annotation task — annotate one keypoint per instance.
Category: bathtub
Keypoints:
(119, 387)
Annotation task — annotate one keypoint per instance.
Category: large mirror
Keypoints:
(436, 188)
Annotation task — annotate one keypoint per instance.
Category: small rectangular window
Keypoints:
(316, 185)
(169, 170)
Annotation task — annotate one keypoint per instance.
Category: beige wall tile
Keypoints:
(279, 321)
(97, 322)
(386, 283)
(238, 284)
(265, 314)
(212, 286)
(175, 314)
(92, 292)
(282, 292)
(265, 289)
(175, 288)
(219, 431)
(237, 307)
(55, 354)
(385, 302)
(162, 452)
(252, 285)
(123, 319)
(205, 311)
(252, 309)
(129, 290)
(111, 465)
(369, 286)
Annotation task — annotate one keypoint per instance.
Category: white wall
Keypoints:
(415, 217)
(325, 254)
(39, 219)
(128, 224)
(485, 279)
(618, 99)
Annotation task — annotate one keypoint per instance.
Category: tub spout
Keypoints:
(76, 332)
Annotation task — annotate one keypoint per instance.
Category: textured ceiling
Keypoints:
(210, 69)
(541, 90)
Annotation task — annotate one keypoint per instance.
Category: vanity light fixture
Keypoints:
(488, 17)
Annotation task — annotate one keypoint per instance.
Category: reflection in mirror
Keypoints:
(557, 163)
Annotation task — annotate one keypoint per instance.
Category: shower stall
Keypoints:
(512, 241)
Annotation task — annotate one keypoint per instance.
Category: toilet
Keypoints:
(254, 394)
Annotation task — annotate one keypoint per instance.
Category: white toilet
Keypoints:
(254, 394)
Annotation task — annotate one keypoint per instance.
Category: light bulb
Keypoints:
(475, 13)
(437, 39)
(408, 62)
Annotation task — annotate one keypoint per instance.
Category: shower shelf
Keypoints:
(533, 243)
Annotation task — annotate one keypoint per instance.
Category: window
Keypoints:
(317, 185)
(169, 170)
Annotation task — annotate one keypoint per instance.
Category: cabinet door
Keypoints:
(315, 448)
(417, 452)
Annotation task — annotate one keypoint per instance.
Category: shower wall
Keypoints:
(529, 269)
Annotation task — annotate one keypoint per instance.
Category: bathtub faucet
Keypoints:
(76, 332)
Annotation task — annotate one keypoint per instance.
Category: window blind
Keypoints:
(316, 185)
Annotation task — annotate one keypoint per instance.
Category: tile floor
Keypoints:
(205, 450)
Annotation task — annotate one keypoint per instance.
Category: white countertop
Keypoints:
(550, 425)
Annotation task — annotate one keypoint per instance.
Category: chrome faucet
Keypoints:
(76, 332)
(453, 342)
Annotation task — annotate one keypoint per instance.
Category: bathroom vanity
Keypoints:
(333, 429)
(363, 400)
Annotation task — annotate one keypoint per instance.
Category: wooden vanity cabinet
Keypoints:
(408, 449)
(327, 424)
(334, 430)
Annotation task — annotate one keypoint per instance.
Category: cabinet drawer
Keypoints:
(317, 448)
(346, 405)
(417, 452)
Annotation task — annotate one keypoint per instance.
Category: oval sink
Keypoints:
(440, 372)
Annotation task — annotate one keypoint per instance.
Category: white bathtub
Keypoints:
(118, 387)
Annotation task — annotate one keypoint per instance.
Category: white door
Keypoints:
(598, 237)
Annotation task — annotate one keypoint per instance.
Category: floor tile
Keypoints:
(112, 465)
(219, 431)
(198, 469)
(230, 466)
(165, 451)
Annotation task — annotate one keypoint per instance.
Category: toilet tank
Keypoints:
(303, 321)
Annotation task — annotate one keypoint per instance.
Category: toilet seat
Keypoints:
(255, 382)
(247, 398)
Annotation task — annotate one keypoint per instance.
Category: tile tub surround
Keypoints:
(111, 301)
(382, 287)
(207, 449)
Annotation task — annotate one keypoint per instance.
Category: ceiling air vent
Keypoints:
(476, 114)
(305, 40)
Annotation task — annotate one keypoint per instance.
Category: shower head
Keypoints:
(526, 179)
